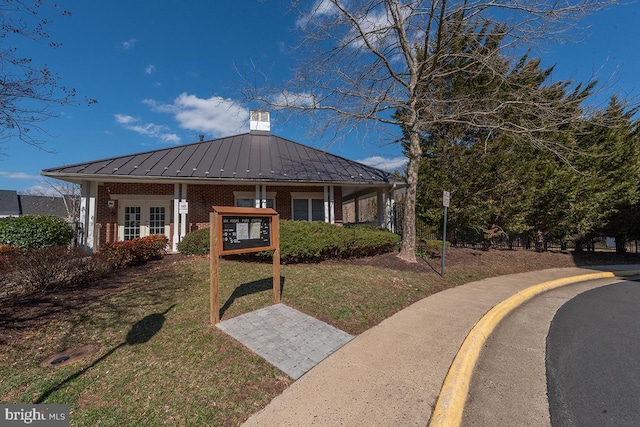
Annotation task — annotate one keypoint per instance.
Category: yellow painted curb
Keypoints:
(453, 395)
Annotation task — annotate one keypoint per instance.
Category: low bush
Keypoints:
(35, 231)
(304, 241)
(135, 251)
(195, 243)
(434, 244)
(44, 269)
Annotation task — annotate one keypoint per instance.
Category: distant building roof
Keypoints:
(253, 156)
(42, 205)
(14, 204)
(9, 205)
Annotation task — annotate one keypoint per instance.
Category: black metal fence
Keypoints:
(474, 238)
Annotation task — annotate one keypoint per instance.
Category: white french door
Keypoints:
(141, 219)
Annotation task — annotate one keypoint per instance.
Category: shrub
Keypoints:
(135, 251)
(304, 241)
(195, 243)
(43, 269)
(35, 231)
(435, 244)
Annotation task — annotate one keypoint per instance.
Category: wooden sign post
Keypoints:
(237, 231)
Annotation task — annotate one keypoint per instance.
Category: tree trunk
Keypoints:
(408, 246)
(620, 244)
(540, 244)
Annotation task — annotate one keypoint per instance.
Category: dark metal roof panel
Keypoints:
(157, 163)
(178, 161)
(193, 162)
(250, 156)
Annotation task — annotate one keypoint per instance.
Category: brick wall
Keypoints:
(200, 198)
(108, 218)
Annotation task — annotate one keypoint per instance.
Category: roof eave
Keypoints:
(174, 179)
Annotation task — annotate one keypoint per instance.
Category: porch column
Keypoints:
(263, 199)
(326, 203)
(258, 202)
(183, 217)
(176, 217)
(332, 206)
(88, 214)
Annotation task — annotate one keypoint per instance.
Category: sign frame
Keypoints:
(217, 218)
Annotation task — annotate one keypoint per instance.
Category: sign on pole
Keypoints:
(183, 208)
(445, 203)
(237, 231)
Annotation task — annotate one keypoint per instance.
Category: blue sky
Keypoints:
(164, 72)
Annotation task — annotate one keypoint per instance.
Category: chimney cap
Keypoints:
(259, 120)
(201, 136)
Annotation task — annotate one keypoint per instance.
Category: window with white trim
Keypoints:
(308, 206)
(246, 199)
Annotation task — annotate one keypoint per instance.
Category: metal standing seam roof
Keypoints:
(253, 156)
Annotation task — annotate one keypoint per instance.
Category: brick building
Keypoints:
(171, 191)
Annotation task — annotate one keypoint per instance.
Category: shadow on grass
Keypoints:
(140, 333)
(250, 288)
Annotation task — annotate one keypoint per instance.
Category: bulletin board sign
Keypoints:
(242, 230)
(244, 233)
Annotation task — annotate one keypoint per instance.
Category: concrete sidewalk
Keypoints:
(392, 374)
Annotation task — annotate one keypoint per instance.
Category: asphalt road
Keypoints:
(593, 358)
(509, 384)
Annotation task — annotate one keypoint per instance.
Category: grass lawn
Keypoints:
(161, 363)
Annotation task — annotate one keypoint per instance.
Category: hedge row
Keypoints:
(304, 241)
(135, 251)
(35, 231)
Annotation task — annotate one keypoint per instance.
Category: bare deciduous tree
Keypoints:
(362, 62)
(28, 90)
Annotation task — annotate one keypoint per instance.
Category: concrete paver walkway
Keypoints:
(392, 373)
(288, 339)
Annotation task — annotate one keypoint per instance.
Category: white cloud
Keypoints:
(149, 69)
(376, 23)
(320, 9)
(215, 116)
(147, 129)
(129, 44)
(17, 175)
(287, 98)
(124, 119)
(388, 164)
